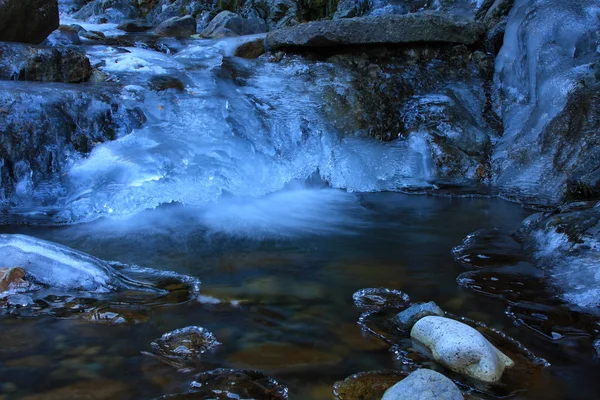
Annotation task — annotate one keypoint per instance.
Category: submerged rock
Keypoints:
(282, 357)
(461, 348)
(165, 82)
(391, 29)
(223, 384)
(366, 385)
(424, 384)
(27, 21)
(183, 347)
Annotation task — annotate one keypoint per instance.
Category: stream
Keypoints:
(243, 177)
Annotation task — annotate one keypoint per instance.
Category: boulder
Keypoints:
(407, 318)
(115, 11)
(424, 384)
(388, 29)
(134, 26)
(64, 36)
(27, 21)
(29, 63)
(177, 26)
(227, 24)
(346, 9)
(460, 348)
(252, 49)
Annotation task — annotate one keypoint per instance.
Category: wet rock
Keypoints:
(346, 9)
(366, 385)
(134, 26)
(276, 13)
(93, 35)
(225, 384)
(177, 27)
(489, 247)
(378, 298)
(64, 36)
(432, 100)
(407, 318)
(165, 82)
(102, 11)
(494, 14)
(183, 347)
(27, 21)
(282, 357)
(227, 24)
(252, 49)
(392, 29)
(461, 348)
(11, 278)
(424, 384)
(24, 62)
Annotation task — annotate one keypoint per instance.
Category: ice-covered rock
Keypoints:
(56, 266)
(183, 347)
(461, 348)
(567, 245)
(30, 63)
(549, 50)
(47, 128)
(424, 384)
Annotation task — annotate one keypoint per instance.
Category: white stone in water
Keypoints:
(424, 384)
(461, 348)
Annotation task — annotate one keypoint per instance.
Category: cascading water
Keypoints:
(243, 128)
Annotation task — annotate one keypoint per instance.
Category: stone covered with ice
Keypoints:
(57, 266)
(549, 52)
